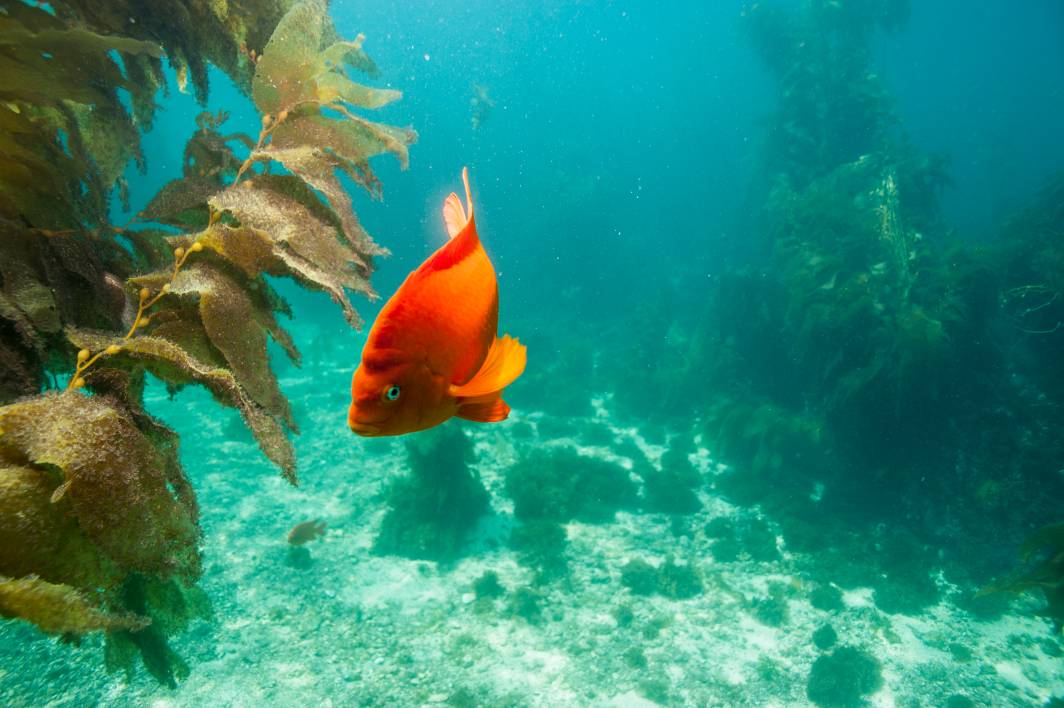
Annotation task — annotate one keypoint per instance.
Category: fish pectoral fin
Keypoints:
(491, 411)
(505, 362)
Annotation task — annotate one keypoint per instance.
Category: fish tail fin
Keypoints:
(454, 214)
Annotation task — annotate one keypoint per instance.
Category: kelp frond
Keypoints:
(98, 524)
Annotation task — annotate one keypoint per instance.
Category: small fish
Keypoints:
(480, 106)
(306, 532)
(433, 352)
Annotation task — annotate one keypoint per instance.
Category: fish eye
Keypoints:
(391, 393)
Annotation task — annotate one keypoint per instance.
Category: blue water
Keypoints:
(621, 184)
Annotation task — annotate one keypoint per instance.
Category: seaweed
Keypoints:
(541, 546)
(864, 376)
(87, 473)
(1041, 568)
(561, 485)
(433, 509)
(673, 580)
(825, 637)
(773, 609)
(844, 677)
(672, 489)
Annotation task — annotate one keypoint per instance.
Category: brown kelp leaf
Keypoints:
(73, 41)
(182, 202)
(118, 479)
(40, 537)
(248, 249)
(58, 609)
(294, 71)
(146, 78)
(318, 168)
(20, 323)
(171, 362)
(232, 322)
(208, 153)
(353, 141)
(24, 289)
(307, 244)
(20, 372)
(63, 81)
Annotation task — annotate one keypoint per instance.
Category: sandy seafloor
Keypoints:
(354, 628)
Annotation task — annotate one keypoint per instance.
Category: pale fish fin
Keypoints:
(505, 362)
(491, 411)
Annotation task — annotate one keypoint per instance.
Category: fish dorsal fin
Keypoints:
(504, 363)
(454, 214)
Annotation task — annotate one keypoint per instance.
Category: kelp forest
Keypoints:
(885, 392)
(854, 396)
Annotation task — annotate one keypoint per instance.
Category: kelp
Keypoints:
(115, 478)
(169, 605)
(89, 499)
(1041, 568)
(58, 609)
(833, 107)
(860, 368)
(99, 526)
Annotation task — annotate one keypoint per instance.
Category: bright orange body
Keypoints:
(433, 352)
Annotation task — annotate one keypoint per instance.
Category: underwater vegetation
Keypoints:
(561, 485)
(843, 677)
(671, 579)
(433, 508)
(1042, 568)
(99, 525)
(887, 397)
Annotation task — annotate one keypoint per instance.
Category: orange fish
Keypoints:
(433, 352)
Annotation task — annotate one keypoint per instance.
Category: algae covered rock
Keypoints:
(541, 546)
(561, 485)
(673, 580)
(435, 506)
(843, 678)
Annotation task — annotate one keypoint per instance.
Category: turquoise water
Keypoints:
(789, 278)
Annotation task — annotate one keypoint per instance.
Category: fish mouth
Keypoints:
(366, 430)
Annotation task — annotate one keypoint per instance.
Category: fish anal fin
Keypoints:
(505, 362)
(490, 411)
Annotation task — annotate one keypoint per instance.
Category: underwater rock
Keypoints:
(772, 610)
(437, 504)
(672, 489)
(640, 577)
(843, 678)
(827, 598)
(825, 637)
(527, 604)
(671, 579)
(561, 485)
(541, 545)
(488, 586)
